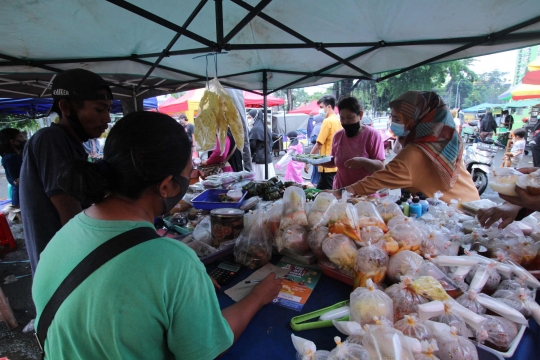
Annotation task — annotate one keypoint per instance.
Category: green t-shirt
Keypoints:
(154, 301)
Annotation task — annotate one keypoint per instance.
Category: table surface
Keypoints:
(268, 336)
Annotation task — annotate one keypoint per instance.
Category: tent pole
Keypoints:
(135, 99)
(265, 91)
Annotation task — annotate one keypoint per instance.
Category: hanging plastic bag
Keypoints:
(306, 350)
(497, 332)
(450, 318)
(369, 302)
(429, 348)
(342, 219)
(404, 299)
(451, 345)
(252, 248)
(348, 351)
(294, 208)
(503, 180)
(341, 251)
(388, 209)
(403, 263)
(383, 343)
(411, 326)
(316, 238)
(371, 263)
(322, 203)
(369, 216)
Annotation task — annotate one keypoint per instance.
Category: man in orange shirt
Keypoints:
(329, 127)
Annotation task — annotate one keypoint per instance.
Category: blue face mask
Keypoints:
(398, 129)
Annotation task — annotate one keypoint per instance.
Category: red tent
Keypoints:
(311, 109)
(254, 100)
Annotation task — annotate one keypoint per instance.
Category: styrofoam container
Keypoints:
(512, 348)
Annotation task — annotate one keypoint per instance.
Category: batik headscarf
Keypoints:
(432, 129)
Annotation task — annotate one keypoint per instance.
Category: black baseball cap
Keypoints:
(78, 84)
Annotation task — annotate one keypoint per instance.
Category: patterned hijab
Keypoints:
(432, 129)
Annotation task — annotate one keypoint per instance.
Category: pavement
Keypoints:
(16, 345)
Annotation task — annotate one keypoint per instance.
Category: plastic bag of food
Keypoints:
(516, 299)
(411, 326)
(294, 238)
(203, 231)
(322, 203)
(369, 216)
(370, 234)
(450, 318)
(348, 351)
(403, 263)
(272, 218)
(516, 284)
(501, 309)
(294, 208)
(369, 302)
(404, 298)
(503, 180)
(484, 277)
(469, 301)
(451, 345)
(405, 236)
(436, 243)
(401, 219)
(252, 248)
(371, 263)
(388, 209)
(497, 333)
(383, 343)
(430, 269)
(306, 350)
(429, 348)
(521, 273)
(341, 251)
(315, 240)
(352, 329)
(430, 288)
(342, 219)
(530, 182)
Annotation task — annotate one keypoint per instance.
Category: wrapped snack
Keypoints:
(306, 350)
(294, 208)
(430, 288)
(402, 263)
(501, 308)
(348, 351)
(341, 251)
(371, 263)
(503, 180)
(322, 203)
(369, 302)
(294, 238)
(406, 236)
(516, 299)
(370, 234)
(388, 209)
(451, 345)
(404, 298)
(450, 318)
(430, 269)
(530, 182)
(342, 219)
(497, 333)
(383, 343)
(429, 310)
(316, 238)
(352, 329)
(253, 248)
(428, 351)
(469, 301)
(411, 326)
(435, 243)
(484, 277)
(369, 216)
(272, 218)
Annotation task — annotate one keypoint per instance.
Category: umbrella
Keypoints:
(505, 96)
(311, 109)
(531, 78)
(534, 65)
(526, 91)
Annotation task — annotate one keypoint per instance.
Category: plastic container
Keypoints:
(226, 224)
(424, 203)
(507, 354)
(334, 273)
(209, 200)
(415, 208)
(405, 204)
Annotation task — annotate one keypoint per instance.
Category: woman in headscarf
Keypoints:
(259, 144)
(488, 126)
(431, 158)
(293, 171)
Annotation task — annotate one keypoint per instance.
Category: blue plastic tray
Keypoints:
(208, 200)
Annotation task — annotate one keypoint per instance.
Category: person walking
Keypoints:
(259, 145)
(12, 143)
(488, 126)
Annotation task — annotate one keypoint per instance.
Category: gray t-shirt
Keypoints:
(43, 157)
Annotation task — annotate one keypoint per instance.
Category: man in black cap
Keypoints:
(82, 101)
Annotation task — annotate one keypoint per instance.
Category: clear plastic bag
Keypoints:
(370, 234)
(252, 248)
(516, 285)
(436, 243)
(294, 238)
(516, 299)
(341, 251)
(430, 269)
(322, 203)
(316, 238)
(530, 182)
(483, 277)
(450, 318)
(503, 180)
(429, 348)
(451, 345)
(469, 301)
(388, 209)
(497, 333)
(401, 219)
(404, 298)
(406, 236)
(352, 329)
(294, 208)
(371, 263)
(403, 263)
(272, 218)
(369, 216)
(203, 231)
(383, 343)
(430, 288)
(368, 302)
(306, 350)
(348, 351)
(342, 219)
(411, 326)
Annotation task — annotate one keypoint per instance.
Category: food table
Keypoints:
(268, 336)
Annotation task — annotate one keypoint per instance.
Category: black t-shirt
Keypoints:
(190, 129)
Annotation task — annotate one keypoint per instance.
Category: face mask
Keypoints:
(76, 126)
(351, 130)
(250, 122)
(21, 145)
(170, 202)
(322, 112)
(398, 129)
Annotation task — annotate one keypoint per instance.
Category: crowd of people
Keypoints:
(154, 299)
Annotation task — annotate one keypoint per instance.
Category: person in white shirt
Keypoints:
(518, 148)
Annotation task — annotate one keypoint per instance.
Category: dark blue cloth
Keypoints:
(12, 165)
(309, 126)
(315, 175)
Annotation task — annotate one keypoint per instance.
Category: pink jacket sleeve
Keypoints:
(216, 157)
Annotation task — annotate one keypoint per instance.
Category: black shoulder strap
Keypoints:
(86, 267)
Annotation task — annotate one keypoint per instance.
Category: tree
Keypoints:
(486, 89)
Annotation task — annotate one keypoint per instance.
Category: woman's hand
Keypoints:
(523, 199)
(268, 289)
(507, 212)
(355, 163)
(336, 193)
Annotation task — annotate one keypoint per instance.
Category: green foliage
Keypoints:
(9, 121)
